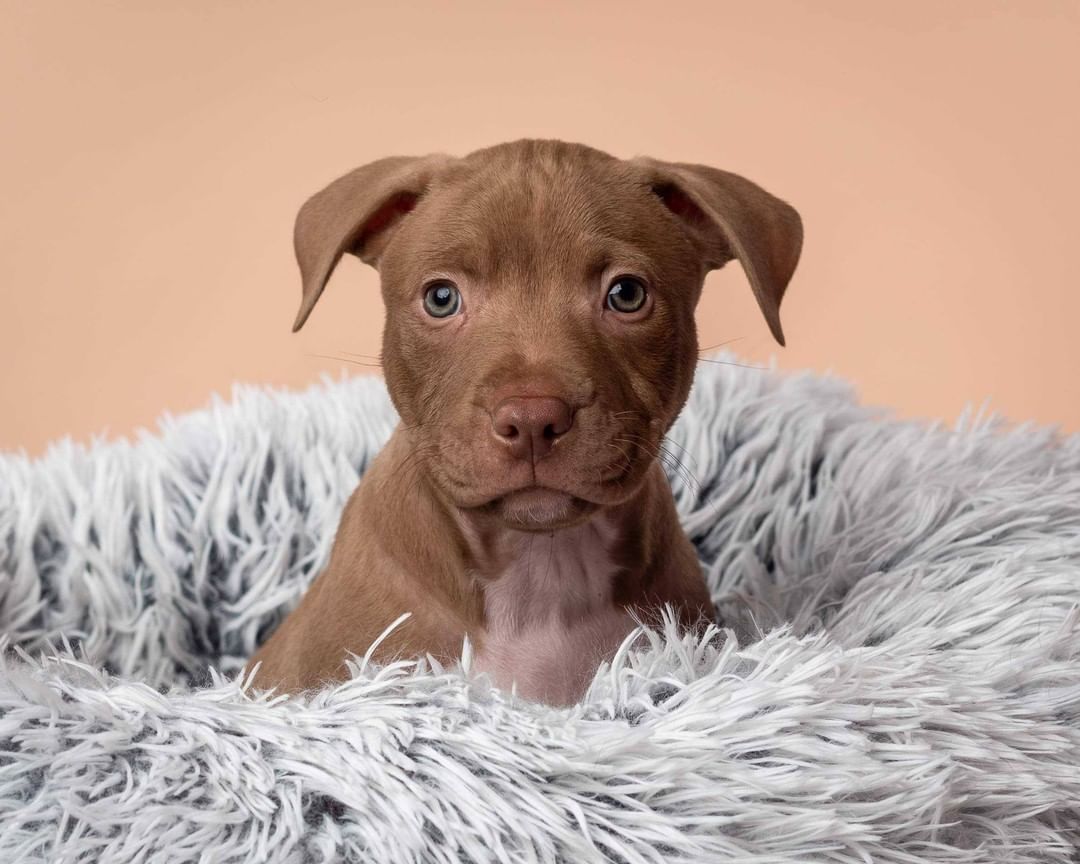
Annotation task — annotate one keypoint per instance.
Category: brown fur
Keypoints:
(531, 232)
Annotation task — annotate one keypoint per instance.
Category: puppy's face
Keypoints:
(529, 285)
(540, 334)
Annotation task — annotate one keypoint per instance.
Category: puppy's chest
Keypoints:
(551, 617)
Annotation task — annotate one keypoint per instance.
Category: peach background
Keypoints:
(154, 155)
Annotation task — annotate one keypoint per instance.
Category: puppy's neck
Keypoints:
(554, 603)
(476, 560)
(542, 609)
(550, 579)
(542, 578)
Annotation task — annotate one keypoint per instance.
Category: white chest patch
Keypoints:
(550, 617)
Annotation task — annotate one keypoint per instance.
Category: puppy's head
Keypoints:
(540, 298)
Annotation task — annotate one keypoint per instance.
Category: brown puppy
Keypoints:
(539, 342)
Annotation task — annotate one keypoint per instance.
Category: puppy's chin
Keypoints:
(541, 509)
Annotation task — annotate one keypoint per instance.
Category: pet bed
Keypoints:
(897, 680)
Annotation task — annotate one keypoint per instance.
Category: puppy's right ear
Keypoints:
(730, 217)
(356, 213)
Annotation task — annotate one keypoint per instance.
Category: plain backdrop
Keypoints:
(154, 155)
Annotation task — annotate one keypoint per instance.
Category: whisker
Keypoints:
(721, 344)
(681, 466)
(666, 458)
(346, 360)
(689, 455)
(730, 363)
(678, 467)
(411, 460)
(672, 460)
(626, 456)
(365, 356)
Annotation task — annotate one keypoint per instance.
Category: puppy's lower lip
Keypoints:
(541, 508)
(536, 494)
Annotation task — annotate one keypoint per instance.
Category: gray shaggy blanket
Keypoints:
(898, 679)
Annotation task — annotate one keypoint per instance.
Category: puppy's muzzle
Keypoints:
(529, 426)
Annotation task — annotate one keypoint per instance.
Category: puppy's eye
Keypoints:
(626, 294)
(442, 299)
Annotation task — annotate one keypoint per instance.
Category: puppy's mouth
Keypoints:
(560, 490)
(540, 508)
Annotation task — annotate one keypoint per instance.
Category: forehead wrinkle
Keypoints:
(524, 254)
(456, 258)
(453, 239)
(532, 222)
(492, 227)
(624, 256)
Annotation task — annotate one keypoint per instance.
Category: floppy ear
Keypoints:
(730, 217)
(356, 213)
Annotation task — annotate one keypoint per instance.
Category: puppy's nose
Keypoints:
(530, 425)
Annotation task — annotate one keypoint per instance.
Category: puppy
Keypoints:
(539, 342)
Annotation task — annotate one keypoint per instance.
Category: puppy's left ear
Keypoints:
(357, 213)
(729, 217)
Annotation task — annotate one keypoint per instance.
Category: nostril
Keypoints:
(505, 424)
(550, 433)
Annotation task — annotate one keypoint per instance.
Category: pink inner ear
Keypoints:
(679, 203)
(390, 211)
